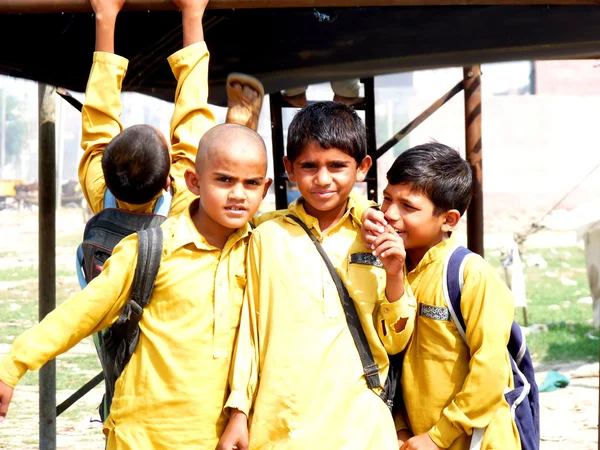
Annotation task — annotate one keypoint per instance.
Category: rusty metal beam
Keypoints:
(419, 119)
(472, 83)
(47, 254)
(57, 6)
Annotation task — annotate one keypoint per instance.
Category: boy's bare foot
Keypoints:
(349, 101)
(244, 100)
(299, 101)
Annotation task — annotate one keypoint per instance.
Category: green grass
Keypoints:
(20, 273)
(552, 294)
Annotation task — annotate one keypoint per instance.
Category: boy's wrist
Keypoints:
(106, 16)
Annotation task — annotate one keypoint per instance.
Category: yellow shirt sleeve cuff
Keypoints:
(444, 433)
(239, 400)
(186, 52)
(112, 59)
(393, 311)
(10, 372)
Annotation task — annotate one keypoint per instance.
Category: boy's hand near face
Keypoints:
(389, 248)
(6, 393)
(420, 442)
(373, 224)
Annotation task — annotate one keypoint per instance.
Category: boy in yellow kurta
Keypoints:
(172, 392)
(297, 377)
(136, 163)
(451, 390)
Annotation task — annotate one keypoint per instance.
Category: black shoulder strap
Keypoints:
(150, 243)
(370, 368)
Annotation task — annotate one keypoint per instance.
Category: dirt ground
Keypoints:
(569, 416)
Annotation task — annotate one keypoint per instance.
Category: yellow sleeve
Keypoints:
(389, 314)
(361, 204)
(85, 313)
(243, 378)
(488, 309)
(191, 116)
(100, 123)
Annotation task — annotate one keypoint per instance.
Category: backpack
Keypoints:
(389, 392)
(524, 398)
(103, 232)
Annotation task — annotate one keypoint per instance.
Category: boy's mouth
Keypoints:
(235, 208)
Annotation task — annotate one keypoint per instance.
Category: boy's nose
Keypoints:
(237, 192)
(323, 177)
(392, 214)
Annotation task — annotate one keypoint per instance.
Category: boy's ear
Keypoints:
(289, 168)
(451, 219)
(192, 181)
(267, 185)
(363, 169)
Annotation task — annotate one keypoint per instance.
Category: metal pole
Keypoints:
(47, 254)
(279, 174)
(372, 184)
(2, 127)
(472, 86)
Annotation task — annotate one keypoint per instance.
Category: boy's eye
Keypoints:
(224, 179)
(252, 183)
(307, 166)
(387, 199)
(409, 206)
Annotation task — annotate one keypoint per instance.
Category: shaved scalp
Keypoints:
(230, 139)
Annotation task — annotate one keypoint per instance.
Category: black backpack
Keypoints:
(103, 232)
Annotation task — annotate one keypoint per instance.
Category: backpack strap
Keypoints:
(150, 243)
(79, 267)
(370, 368)
(109, 199)
(453, 281)
(453, 276)
(163, 204)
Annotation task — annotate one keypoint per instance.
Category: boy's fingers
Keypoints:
(386, 237)
(373, 227)
(375, 216)
(5, 399)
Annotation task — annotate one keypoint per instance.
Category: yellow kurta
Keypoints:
(172, 391)
(295, 356)
(101, 122)
(450, 388)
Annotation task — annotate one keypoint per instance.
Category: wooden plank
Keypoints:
(57, 6)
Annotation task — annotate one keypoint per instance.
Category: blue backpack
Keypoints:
(524, 398)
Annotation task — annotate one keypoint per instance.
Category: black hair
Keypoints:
(331, 125)
(136, 164)
(438, 172)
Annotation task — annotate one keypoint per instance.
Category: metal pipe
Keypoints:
(58, 6)
(419, 119)
(372, 183)
(472, 86)
(47, 254)
(279, 174)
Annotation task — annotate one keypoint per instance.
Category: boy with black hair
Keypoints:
(452, 389)
(297, 377)
(136, 164)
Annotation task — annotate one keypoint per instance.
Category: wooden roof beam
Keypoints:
(58, 6)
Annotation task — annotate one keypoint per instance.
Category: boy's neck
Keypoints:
(215, 234)
(415, 255)
(327, 219)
